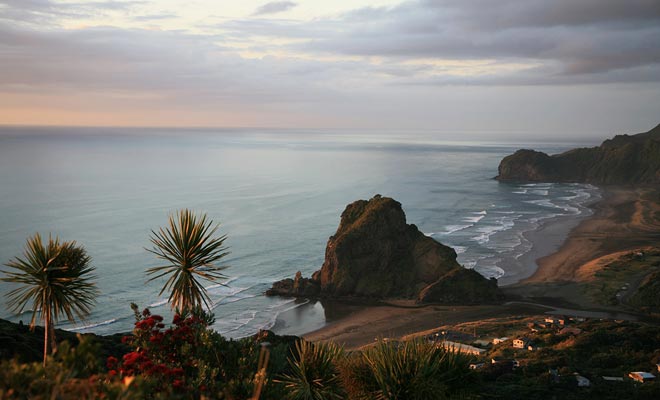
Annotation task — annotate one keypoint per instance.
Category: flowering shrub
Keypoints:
(176, 358)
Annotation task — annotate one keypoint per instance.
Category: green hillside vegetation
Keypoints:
(647, 297)
(284, 367)
(632, 280)
(625, 159)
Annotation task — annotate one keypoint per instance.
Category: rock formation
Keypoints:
(376, 254)
(624, 159)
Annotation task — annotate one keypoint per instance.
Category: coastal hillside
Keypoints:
(376, 254)
(624, 159)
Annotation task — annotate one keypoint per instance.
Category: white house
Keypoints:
(462, 348)
(521, 343)
(641, 376)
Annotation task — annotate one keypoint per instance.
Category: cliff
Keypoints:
(625, 159)
(376, 254)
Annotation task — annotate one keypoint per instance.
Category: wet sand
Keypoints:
(623, 220)
(546, 240)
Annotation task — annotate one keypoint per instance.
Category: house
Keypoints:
(477, 365)
(462, 348)
(500, 340)
(658, 365)
(582, 381)
(521, 343)
(641, 376)
(551, 320)
(612, 378)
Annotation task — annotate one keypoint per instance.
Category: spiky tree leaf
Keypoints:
(190, 249)
(54, 279)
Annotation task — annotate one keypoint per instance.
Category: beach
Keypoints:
(623, 219)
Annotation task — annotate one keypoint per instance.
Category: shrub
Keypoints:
(314, 374)
(408, 370)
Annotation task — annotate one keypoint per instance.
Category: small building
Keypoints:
(551, 320)
(461, 348)
(500, 340)
(658, 366)
(612, 378)
(641, 376)
(521, 343)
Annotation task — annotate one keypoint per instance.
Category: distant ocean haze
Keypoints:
(278, 196)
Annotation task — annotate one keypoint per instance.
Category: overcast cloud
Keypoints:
(343, 66)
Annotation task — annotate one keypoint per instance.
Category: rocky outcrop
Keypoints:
(376, 254)
(624, 159)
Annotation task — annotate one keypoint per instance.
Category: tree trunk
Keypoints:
(53, 341)
(46, 331)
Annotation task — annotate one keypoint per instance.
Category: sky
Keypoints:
(562, 67)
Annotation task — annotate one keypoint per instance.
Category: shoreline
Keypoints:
(617, 223)
(545, 240)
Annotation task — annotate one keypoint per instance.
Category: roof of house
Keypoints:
(645, 375)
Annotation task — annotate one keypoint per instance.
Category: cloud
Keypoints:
(274, 7)
(576, 41)
(373, 66)
(41, 12)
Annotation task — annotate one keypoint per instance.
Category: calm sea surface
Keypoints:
(278, 196)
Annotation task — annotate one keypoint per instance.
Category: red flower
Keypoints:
(111, 362)
(131, 358)
(112, 372)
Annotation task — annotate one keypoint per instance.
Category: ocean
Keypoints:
(277, 195)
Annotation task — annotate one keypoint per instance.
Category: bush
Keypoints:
(407, 370)
(314, 374)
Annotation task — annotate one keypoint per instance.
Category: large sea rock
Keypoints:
(376, 254)
(625, 159)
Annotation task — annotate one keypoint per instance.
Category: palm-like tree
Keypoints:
(191, 251)
(56, 278)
